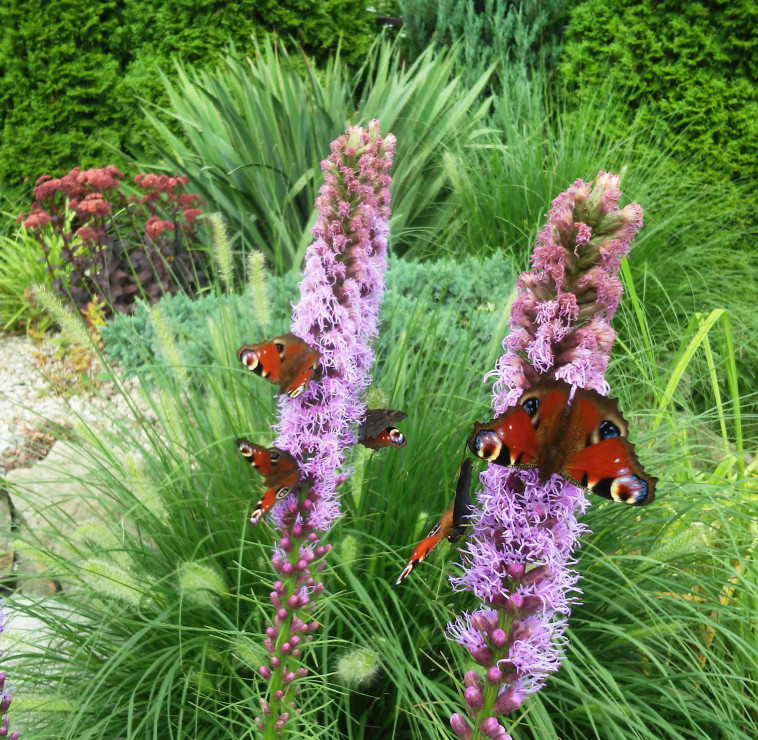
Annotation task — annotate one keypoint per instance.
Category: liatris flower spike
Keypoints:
(333, 322)
(524, 524)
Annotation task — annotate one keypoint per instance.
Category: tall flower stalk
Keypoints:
(338, 315)
(518, 559)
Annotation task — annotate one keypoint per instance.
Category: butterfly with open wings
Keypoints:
(578, 434)
(452, 525)
(279, 470)
(285, 361)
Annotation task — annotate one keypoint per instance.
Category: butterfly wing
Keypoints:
(509, 440)
(600, 458)
(438, 533)
(377, 420)
(299, 364)
(279, 470)
(452, 525)
(610, 469)
(461, 510)
(286, 361)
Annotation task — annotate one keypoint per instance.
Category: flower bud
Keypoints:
(483, 656)
(472, 679)
(460, 726)
(474, 697)
(265, 671)
(536, 575)
(495, 675)
(499, 638)
(508, 700)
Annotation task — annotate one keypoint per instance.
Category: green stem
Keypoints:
(490, 691)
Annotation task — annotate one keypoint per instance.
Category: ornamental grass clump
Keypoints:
(525, 530)
(5, 697)
(337, 315)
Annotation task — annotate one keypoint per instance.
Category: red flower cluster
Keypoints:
(132, 245)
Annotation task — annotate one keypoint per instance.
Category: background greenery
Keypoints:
(157, 632)
(73, 74)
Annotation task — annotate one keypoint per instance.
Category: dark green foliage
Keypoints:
(689, 71)
(253, 137)
(57, 77)
(489, 31)
(71, 73)
(465, 298)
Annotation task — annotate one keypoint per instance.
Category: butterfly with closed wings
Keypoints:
(452, 525)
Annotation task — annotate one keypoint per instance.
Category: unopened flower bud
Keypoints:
(472, 678)
(499, 638)
(474, 697)
(508, 700)
(536, 575)
(483, 656)
(495, 675)
(460, 726)
(265, 671)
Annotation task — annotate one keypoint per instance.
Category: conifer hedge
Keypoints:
(690, 70)
(71, 71)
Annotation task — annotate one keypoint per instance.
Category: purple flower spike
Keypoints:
(517, 561)
(338, 316)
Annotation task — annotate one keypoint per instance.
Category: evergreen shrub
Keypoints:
(73, 74)
(489, 31)
(689, 71)
(459, 300)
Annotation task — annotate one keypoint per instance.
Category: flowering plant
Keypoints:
(518, 559)
(97, 243)
(337, 315)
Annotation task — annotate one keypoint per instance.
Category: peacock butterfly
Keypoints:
(279, 470)
(285, 361)
(378, 429)
(578, 434)
(452, 525)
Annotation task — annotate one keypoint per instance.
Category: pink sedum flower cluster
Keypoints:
(338, 315)
(518, 559)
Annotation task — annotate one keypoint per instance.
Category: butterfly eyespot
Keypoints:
(397, 437)
(275, 456)
(279, 347)
(629, 489)
(487, 445)
(282, 492)
(295, 392)
(249, 359)
(608, 429)
(531, 406)
(245, 449)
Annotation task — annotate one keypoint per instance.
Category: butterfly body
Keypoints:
(578, 434)
(286, 361)
(452, 525)
(377, 430)
(279, 470)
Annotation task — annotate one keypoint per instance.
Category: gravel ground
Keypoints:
(28, 398)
